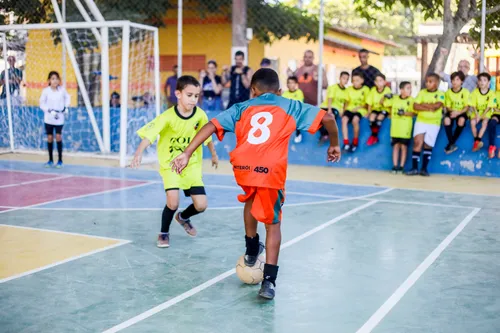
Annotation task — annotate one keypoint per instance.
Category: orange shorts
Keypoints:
(267, 203)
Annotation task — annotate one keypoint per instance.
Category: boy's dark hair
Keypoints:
(380, 75)
(433, 75)
(239, 53)
(344, 73)
(358, 73)
(403, 84)
(53, 73)
(484, 74)
(293, 78)
(266, 80)
(458, 74)
(364, 51)
(185, 81)
(212, 62)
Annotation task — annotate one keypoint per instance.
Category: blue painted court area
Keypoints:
(354, 259)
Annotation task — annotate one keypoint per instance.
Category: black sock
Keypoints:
(492, 131)
(59, 150)
(50, 146)
(427, 158)
(166, 219)
(271, 273)
(297, 132)
(188, 212)
(449, 133)
(477, 138)
(415, 159)
(457, 133)
(252, 245)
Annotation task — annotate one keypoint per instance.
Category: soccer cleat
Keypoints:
(49, 164)
(59, 165)
(186, 224)
(371, 141)
(267, 289)
(251, 260)
(412, 172)
(424, 173)
(394, 170)
(163, 240)
(491, 152)
(477, 145)
(298, 139)
(347, 147)
(400, 170)
(353, 148)
(375, 140)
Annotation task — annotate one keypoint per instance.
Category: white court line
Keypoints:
(377, 317)
(36, 181)
(77, 197)
(10, 278)
(226, 274)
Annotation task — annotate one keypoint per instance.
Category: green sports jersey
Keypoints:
(430, 97)
(375, 97)
(401, 126)
(297, 95)
(481, 101)
(357, 98)
(497, 107)
(456, 101)
(338, 95)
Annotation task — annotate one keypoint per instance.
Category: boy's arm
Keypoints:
(136, 161)
(181, 161)
(330, 125)
(215, 158)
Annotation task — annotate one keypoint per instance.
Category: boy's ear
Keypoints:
(253, 92)
(178, 94)
(279, 92)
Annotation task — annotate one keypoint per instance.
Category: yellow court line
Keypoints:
(25, 250)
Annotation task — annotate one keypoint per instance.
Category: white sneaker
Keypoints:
(298, 139)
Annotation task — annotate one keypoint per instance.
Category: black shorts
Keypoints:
(402, 141)
(350, 115)
(195, 190)
(49, 129)
(463, 115)
(336, 112)
(385, 113)
(496, 116)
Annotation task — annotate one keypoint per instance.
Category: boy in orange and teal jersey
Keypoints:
(263, 126)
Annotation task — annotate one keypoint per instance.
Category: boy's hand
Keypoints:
(136, 161)
(215, 161)
(333, 154)
(179, 163)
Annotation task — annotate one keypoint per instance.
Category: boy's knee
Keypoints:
(355, 121)
(380, 117)
(345, 120)
(201, 206)
(58, 137)
(172, 205)
(50, 138)
(447, 121)
(461, 122)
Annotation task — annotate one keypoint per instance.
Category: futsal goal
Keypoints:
(109, 68)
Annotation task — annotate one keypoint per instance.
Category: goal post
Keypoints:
(123, 63)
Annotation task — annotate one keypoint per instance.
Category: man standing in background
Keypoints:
(369, 72)
(470, 82)
(15, 78)
(170, 86)
(308, 78)
(239, 75)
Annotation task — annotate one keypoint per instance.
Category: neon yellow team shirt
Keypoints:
(497, 107)
(481, 101)
(374, 98)
(338, 95)
(297, 95)
(176, 132)
(401, 126)
(356, 98)
(430, 97)
(456, 101)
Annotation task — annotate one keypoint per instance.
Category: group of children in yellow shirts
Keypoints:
(431, 107)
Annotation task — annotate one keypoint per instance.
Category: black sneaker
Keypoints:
(400, 170)
(347, 148)
(250, 260)
(424, 173)
(394, 170)
(412, 172)
(267, 290)
(353, 149)
(452, 149)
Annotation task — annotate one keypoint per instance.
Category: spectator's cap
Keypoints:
(115, 95)
(265, 62)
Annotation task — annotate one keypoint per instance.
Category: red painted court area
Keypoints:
(52, 189)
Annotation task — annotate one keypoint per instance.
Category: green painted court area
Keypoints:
(353, 259)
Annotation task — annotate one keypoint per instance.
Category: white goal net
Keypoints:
(110, 70)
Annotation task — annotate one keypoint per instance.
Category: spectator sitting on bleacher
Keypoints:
(482, 101)
(456, 103)
(355, 109)
(376, 110)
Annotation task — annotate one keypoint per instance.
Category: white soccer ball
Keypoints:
(251, 275)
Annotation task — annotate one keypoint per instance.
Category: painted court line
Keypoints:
(78, 197)
(10, 278)
(207, 284)
(377, 317)
(36, 181)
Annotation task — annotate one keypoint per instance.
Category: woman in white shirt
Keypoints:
(54, 102)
